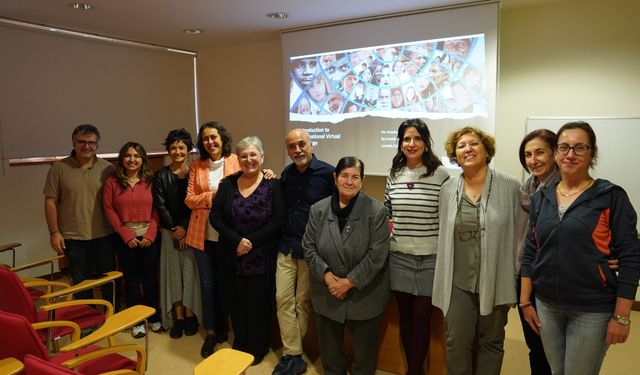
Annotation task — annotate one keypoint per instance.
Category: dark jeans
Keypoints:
(537, 358)
(140, 264)
(84, 256)
(214, 318)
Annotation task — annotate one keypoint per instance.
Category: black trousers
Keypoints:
(364, 339)
(140, 264)
(537, 358)
(251, 315)
(97, 253)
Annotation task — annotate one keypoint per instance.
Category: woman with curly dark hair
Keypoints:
(128, 204)
(216, 162)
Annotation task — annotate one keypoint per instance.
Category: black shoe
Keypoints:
(258, 358)
(191, 326)
(298, 365)
(283, 364)
(208, 346)
(223, 338)
(87, 331)
(176, 329)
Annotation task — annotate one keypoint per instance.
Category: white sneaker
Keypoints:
(138, 331)
(156, 327)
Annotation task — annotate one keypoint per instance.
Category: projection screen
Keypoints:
(351, 85)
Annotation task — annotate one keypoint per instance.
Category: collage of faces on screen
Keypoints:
(430, 77)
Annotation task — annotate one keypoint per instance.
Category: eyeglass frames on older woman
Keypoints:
(471, 234)
(579, 149)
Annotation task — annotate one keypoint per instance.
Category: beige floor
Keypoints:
(177, 357)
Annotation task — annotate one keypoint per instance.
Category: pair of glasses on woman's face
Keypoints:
(579, 149)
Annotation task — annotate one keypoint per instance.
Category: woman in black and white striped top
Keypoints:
(412, 197)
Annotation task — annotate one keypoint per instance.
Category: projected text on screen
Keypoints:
(442, 78)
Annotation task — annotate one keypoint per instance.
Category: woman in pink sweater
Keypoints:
(128, 203)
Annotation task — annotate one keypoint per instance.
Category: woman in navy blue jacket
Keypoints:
(575, 227)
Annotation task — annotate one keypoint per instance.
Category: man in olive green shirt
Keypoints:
(74, 211)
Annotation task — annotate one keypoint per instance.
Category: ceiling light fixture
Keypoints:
(81, 6)
(278, 15)
(193, 31)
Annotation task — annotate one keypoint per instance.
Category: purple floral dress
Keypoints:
(249, 214)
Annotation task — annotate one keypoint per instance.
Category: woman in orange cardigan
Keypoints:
(216, 162)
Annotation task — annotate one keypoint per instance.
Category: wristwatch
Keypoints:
(621, 319)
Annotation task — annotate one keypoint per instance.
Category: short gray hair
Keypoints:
(248, 141)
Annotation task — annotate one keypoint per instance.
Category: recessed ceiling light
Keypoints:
(81, 6)
(193, 31)
(278, 15)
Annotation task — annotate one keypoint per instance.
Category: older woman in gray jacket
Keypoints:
(346, 245)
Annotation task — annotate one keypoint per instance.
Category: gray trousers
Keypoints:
(364, 339)
(461, 323)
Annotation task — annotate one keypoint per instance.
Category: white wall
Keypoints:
(241, 88)
(575, 58)
(50, 84)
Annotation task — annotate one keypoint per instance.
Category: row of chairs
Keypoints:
(27, 334)
(224, 361)
(26, 330)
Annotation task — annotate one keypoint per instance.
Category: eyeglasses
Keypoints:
(579, 150)
(478, 233)
(470, 235)
(245, 157)
(465, 236)
(91, 144)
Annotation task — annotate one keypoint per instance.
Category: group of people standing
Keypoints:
(235, 240)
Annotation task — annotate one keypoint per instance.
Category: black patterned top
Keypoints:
(249, 214)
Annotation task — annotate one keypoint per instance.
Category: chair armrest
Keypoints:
(9, 246)
(31, 279)
(10, 366)
(87, 284)
(117, 323)
(49, 285)
(75, 335)
(42, 282)
(77, 302)
(35, 264)
(140, 361)
(121, 372)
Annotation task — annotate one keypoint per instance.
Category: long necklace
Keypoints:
(468, 235)
(574, 193)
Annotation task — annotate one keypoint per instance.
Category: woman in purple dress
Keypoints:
(249, 213)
